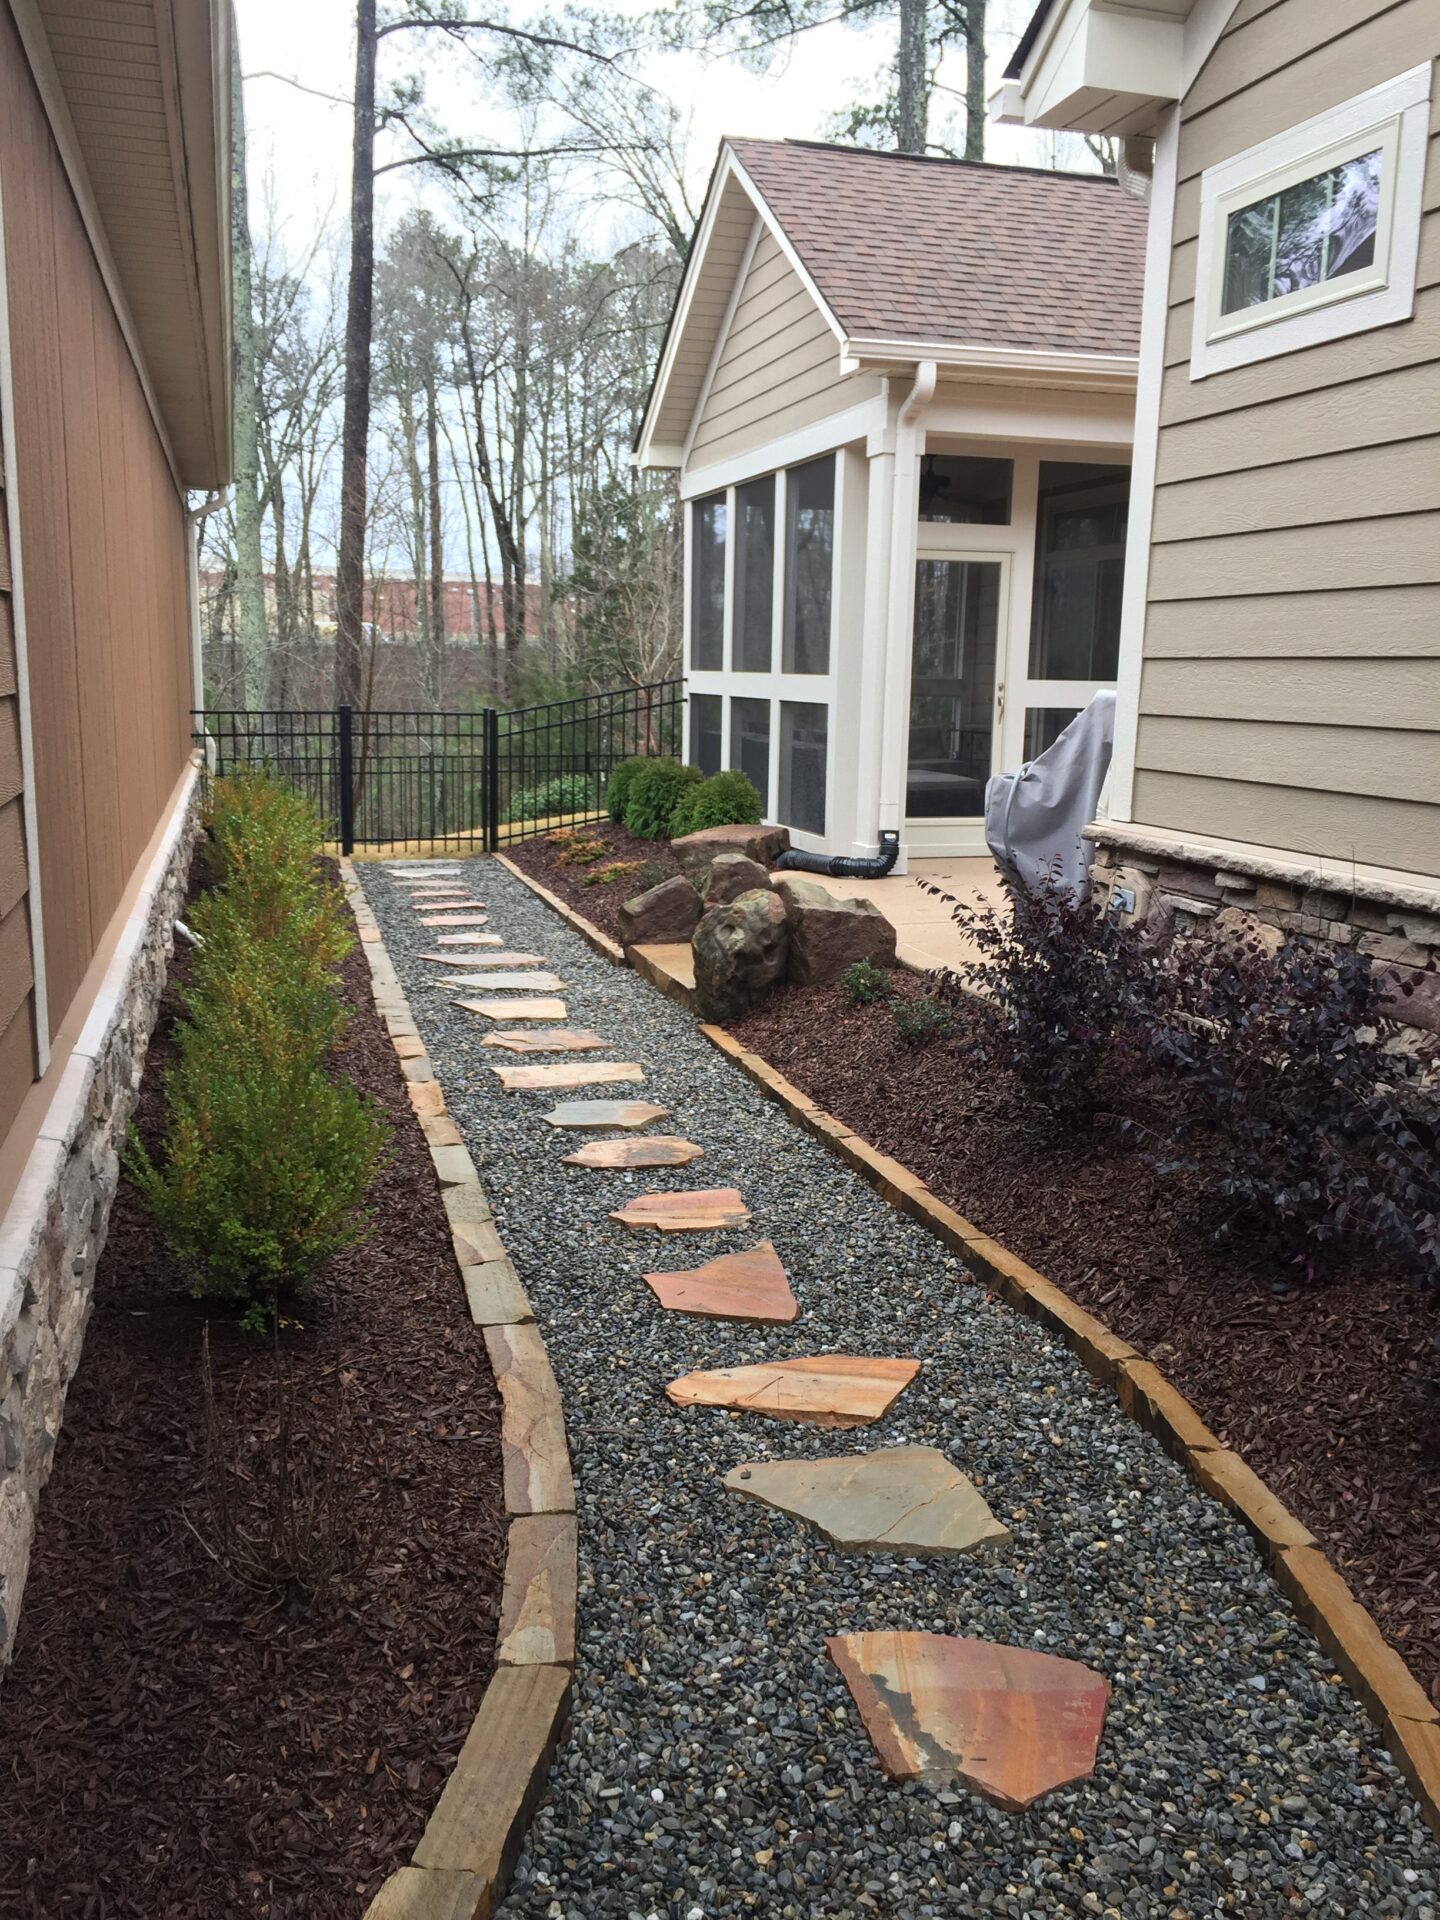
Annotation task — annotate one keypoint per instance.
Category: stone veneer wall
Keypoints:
(53, 1233)
(1398, 928)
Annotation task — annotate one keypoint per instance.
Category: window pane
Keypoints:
(754, 574)
(962, 491)
(1079, 571)
(750, 744)
(707, 748)
(1044, 726)
(804, 730)
(1317, 230)
(707, 577)
(809, 555)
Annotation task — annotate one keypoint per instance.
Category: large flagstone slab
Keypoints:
(557, 1040)
(909, 1500)
(450, 918)
(420, 870)
(505, 982)
(650, 1150)
(697, 1212)
(750, 1286)
(467, 959)
(485, 959)
(823, 1390)
(469, 940)
(1009, 1722)
(606, 1113)
(543, 1009)
(567, 1073)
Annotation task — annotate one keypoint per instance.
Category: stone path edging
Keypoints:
(1373, 1670)
(462, 1864)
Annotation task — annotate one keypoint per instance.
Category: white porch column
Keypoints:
(900, 607)
(870, 693)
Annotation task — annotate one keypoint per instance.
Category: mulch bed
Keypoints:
(1316, 1386)
(173, 1743)
(581, 886)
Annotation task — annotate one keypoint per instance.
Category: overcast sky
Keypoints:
(299, 144)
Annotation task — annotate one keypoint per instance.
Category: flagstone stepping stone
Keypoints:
(485, 959)
(822, 1390)
(582, 1073)
(908, 1500)
(697, 1212)
(511, 1009)
(452, 917)
(505, 982)
(464, 959)
(558, 1040)
(426, 870)
(606, 1113)
(1011, 1723)
(749, 1286)
(653, 1150)
(469, 940)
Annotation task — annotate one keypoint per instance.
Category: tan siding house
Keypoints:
(1280, 674)
(114, 400)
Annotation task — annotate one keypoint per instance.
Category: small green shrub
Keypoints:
(617, 787)
(918, 1022)
(655, 793)
(865, 983)
(562, 793)
(728, 799)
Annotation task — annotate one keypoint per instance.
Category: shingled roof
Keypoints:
(959, 252)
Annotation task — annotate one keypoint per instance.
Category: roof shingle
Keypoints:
(956, 252)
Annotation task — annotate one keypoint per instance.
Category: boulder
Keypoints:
(827, 934)
(764, 845)
(732, 874)
(662, 914)
(740, 950)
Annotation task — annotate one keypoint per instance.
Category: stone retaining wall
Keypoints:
(1397, 926)
(53, 1234)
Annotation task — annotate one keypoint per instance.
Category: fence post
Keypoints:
(492, 779)
(344, 716)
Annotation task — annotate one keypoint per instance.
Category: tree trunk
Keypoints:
(974, 79)
(249, 562)
(437, 539)
(355, 432)
(912, 82)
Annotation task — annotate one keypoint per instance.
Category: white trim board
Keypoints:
(790, 450)
(34, 903)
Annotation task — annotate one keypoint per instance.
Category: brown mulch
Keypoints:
(173, 1743)
(580, 886)
(1315, 1386)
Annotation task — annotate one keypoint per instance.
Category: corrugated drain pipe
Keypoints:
(844, 866)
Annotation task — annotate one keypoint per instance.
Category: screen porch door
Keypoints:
(957, 696)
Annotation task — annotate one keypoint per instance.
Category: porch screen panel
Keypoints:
(750, 744)
(1080, 569)
(754, 575)
(707, 584)
(809, 565)
(804, 745)
(707, 742)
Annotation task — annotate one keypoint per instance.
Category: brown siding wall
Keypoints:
(1290, 693)
(17, 1012)
(103, 551)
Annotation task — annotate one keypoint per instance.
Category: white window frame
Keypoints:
(1394, 118)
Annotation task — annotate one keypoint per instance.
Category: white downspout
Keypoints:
(192, 591)
(901, 615)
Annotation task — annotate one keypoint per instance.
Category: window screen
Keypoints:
(809, 561)
(804, 731)
(707, 584)
(754, 575)
(962, 491)
(1080, 570)
(707, 744)
(750, 744)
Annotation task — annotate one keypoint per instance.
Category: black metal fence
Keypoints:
(484, 778)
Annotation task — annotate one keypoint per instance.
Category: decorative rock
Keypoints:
(494, 1294)
(606, 1113)
(513, 1009)
(731, 874)
(828, 935)
(653, 1150)
(764, 845)
(583, 1073)
(826, 1390)
(740, 953)
(440, 1130)
(506, 983)
(532, 1427)
(426, 1097)
(558, 1040)
(749, 1286)
(697, 1212)
(666, 912)
(1013, 1724)
(476, 1242)
(906, 1500)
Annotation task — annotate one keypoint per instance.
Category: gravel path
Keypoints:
(715, 1766)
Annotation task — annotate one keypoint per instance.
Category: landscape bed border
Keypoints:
(463, 1861)
(1370, 1666)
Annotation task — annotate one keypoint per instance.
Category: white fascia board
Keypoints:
(1087, 369)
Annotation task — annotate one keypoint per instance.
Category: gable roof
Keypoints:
(911, 258)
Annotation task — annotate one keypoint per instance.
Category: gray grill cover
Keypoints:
(1033, 818)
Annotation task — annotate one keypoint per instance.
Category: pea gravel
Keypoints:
(715, 1766)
